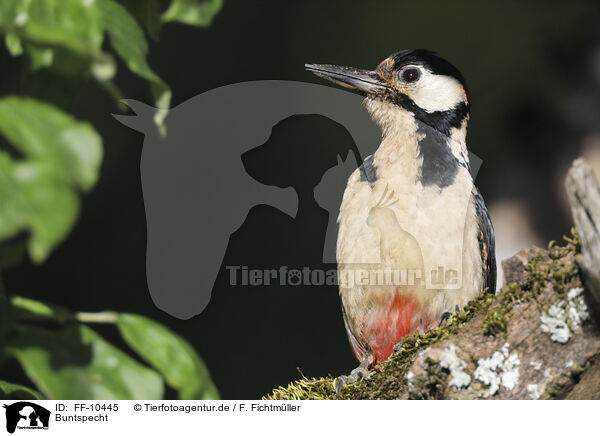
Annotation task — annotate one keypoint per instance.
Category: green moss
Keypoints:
(314, 389)
(501, 310)
(390, 380)
(555, 266)
(389, 377)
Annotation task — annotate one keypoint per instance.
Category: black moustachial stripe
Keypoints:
(442, 121)
(368, 171)
(440, 166)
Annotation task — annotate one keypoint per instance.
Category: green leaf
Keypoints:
(170, 354)
(41, 57)
(35, 197)
(41, 131)
(128, 40)
(148, 13)
(77, 363)
(39, 192)
(13, 44)
(32, 309)
(73, 24)
(17, 392)
(193, 12)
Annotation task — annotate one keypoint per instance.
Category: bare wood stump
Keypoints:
(584, 195)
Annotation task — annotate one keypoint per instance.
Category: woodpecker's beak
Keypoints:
(364, 81)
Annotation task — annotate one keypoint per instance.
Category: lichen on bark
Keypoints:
(509, 320)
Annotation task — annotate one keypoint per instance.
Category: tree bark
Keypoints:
(584, 195)
(537, 338)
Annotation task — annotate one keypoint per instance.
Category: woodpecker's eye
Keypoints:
(411, 75)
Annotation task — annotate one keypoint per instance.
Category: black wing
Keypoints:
(487, 242)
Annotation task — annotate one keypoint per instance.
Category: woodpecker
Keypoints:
(412, 206)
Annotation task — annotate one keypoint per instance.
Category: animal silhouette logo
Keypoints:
(394, 239)
(26, 415)
(196, 189)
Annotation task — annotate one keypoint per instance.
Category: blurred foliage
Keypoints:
(50, 158)
(172, 356)
(70, 360)
(13, 391)
(38, 192)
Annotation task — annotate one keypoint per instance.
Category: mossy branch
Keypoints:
(534, 339)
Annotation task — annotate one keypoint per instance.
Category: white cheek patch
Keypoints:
(436, 93)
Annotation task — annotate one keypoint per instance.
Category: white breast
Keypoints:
(442, 221)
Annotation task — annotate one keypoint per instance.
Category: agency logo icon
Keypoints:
(24, 415)
(198, 190)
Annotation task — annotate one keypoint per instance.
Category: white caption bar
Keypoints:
(295, 417)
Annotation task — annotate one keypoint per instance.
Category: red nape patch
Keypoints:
(468, 92)
(386, 328)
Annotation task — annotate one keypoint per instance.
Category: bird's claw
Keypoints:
(357, 374)
(398, 346)
(446, 315)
